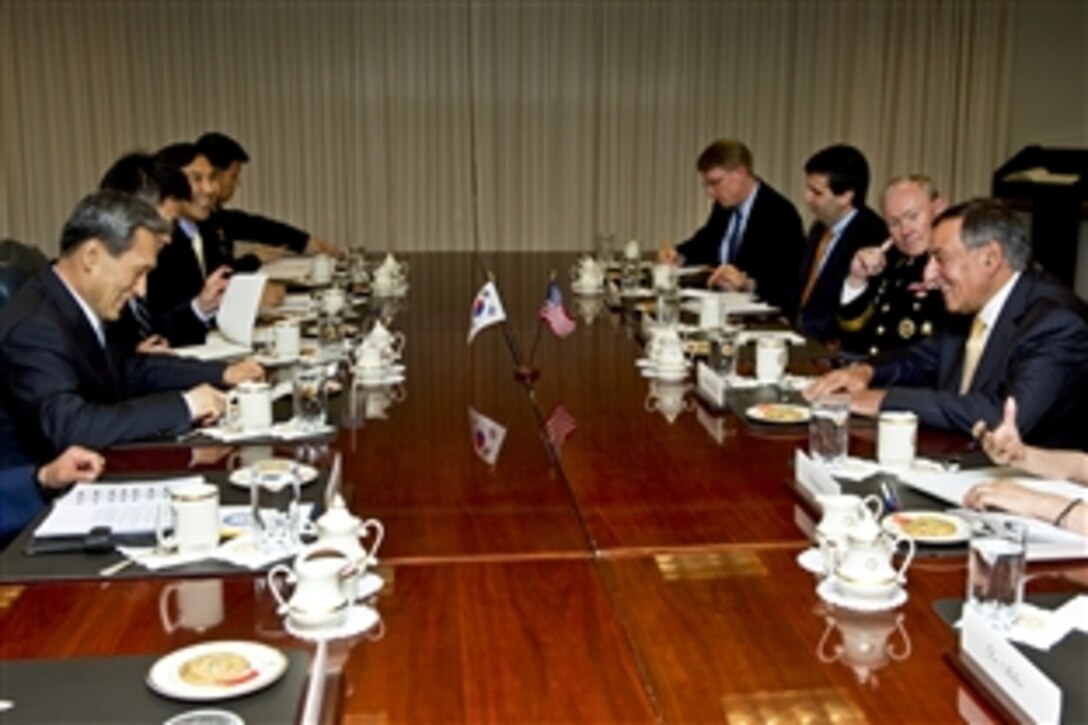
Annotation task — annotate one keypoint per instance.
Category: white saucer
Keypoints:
(369, 585)
(385, 376)
(243, 477)
(266, 666)
(270, 361)
(395, 291)
(360, 618)
(829, 591)
(812, 561)
(584, 291)
(669, 375)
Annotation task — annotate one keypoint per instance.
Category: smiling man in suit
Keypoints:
(753, 237)
(836, 182)
(1015, 333)
(65, 383)
(186, 288)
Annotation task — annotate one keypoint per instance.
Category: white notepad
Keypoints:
(126, 508)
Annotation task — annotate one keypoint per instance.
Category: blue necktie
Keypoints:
(729, 249)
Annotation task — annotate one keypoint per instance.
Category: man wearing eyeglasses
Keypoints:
(885, 303)
(753, 238)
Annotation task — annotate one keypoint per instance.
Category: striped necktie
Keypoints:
(817, 262)
(142, 316)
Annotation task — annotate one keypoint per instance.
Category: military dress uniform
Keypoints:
(893, 311)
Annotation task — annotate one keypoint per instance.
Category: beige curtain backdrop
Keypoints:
(368, 122)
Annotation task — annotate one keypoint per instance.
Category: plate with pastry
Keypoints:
(928, 527)
(778, 413)
(216, 670)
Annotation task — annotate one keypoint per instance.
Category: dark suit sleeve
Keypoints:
(776, 263)
(180, 325)
(49, 393)
(242, 227)
(1042, 370)
(163, 373)
(704, 247)
(20, 500)
(916, 365)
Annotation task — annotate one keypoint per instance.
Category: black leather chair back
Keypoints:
(18, 263)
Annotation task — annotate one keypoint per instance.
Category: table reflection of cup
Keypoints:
(193, 510)
(771, 357)
(249, 407)
(588, 308)
(668, 398)
(197, 605)
(868, 641)
(309, 397)
(897, 438)
(286, 339)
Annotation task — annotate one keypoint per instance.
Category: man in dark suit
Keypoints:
(64, 382)
(753, 237)
(1017, 334)
(186, 288)
(232, 225)
(836, 182)
(165, 188)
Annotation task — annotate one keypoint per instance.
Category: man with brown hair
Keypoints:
(753, 238)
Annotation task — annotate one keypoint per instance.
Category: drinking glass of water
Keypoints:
(829, 429)
(310, 397)
(995, 570)
(274, 507)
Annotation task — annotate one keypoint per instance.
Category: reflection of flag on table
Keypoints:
(559, 425)
(559, 322)
(487, 436)
(487, 309)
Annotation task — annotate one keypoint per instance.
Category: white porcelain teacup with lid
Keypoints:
(865, 568)
(321, 578)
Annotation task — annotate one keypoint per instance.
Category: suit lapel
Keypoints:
(93, 358)
(993, 355)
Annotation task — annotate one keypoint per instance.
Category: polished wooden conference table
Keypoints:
(645, 573)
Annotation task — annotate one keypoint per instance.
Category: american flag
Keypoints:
(559, 322)
(559, 425)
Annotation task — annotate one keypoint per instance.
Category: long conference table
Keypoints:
(646, 573)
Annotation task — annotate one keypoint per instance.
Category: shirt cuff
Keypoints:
(206, 319)
(850, 293)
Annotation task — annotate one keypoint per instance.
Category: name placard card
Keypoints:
(813, 477)
(1020, 681)
(710, 385)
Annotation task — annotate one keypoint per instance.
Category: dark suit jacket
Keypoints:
(173, 284)
(770, 249)
(1036, 353)
(61, 387)
(233, 225)
(817, 319)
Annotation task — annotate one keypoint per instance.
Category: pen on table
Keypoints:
(891, 503)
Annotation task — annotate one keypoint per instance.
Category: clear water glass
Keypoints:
(997, 558)
(829, 429)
